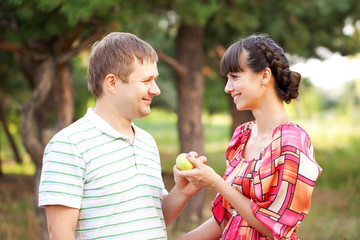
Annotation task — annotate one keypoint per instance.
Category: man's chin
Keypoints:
(144, 113)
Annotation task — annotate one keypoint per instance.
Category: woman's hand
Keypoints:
(201, 175)
(184, 184)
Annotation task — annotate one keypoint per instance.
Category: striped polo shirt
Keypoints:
(116, 185)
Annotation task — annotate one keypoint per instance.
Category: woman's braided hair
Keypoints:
(263, 52)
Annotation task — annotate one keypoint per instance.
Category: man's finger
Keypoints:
(175, 169)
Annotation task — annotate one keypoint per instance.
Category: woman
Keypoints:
(271, 170)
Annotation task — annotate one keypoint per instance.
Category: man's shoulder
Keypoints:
(75, 130)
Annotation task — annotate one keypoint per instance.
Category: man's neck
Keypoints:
(115, 120)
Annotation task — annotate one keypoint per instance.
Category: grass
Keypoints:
(334, 214)
(17, 212)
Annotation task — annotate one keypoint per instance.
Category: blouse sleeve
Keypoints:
(283, 186)
(219, 206)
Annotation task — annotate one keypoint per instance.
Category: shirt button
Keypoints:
(234, 213)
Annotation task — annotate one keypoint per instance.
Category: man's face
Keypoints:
(134, 98)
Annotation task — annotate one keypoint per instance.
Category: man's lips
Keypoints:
(147, 100)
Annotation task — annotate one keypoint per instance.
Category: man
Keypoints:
(101, 176)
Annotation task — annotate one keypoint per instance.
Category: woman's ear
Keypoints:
(266, 76)
(110, 82)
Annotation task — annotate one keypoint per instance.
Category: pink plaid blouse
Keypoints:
(279, 183)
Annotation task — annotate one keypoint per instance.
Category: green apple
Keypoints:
(183, 163)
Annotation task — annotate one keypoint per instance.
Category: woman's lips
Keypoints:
(236, 96)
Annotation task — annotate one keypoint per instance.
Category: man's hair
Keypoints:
(115, 54)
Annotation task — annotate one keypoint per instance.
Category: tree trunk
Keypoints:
(63, 97)
(190, 89)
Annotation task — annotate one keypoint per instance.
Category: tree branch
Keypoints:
(172, 62)
(66, 41)
(33, 146)
(67, 56)
(8, 47)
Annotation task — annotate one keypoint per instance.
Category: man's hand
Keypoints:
(201, 175)
(175, 201)
(184, 184)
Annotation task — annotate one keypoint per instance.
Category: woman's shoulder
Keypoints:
(291, 132)
(292, 137)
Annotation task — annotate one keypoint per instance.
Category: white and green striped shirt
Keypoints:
(116, 184)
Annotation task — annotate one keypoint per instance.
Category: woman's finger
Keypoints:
(193, 153)
(202, 159)
(194, 161)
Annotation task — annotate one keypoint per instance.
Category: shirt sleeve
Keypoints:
(63, 174)
(283, 186)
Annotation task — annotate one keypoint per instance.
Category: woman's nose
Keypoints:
(229, 87)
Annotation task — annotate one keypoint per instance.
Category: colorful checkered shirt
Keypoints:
(279, 182)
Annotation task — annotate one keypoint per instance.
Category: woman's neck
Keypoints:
(269, 116)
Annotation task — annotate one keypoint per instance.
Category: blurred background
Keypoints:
(44, 45)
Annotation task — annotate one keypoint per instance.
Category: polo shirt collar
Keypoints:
(104, 127)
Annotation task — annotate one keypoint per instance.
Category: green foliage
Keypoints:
(13, 86)
(299, 28)
(79, 10)
(195, 12)
(48, 19)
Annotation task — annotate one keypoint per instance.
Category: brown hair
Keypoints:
(263, 52)
(115, 54)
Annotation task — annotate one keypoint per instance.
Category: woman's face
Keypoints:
(245, 87)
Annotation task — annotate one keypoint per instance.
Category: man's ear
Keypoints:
(266, 76)
(110, 82)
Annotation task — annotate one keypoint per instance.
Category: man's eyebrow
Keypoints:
(153, 77)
